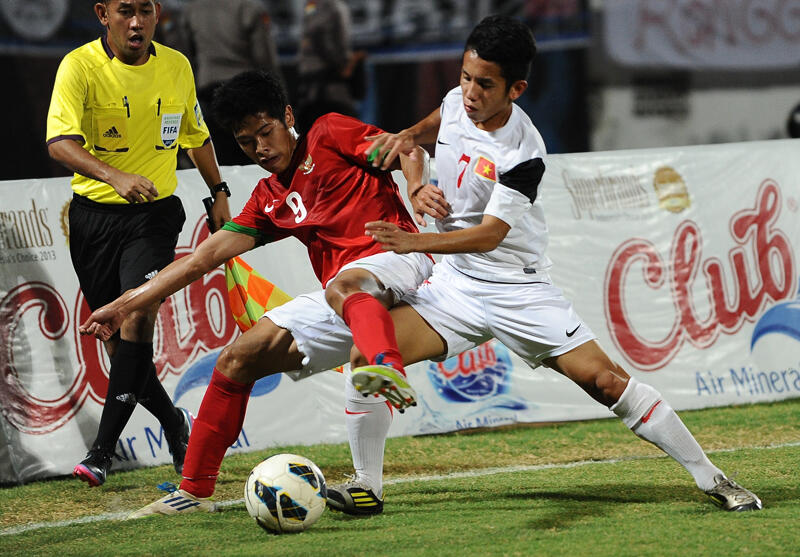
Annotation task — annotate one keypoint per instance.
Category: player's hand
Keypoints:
(103, 323)
(134, 188)
(391, 237)
(387, 146)
(220, 212)
(429, 200)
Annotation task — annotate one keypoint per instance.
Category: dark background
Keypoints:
(412, 62)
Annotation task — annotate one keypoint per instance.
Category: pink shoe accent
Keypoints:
(83, 473)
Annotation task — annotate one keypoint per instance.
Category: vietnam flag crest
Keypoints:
(486, 169)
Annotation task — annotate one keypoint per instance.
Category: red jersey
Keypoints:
(333, 192)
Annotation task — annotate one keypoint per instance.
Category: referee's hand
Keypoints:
(134, 188)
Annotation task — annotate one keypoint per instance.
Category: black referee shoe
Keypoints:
(94, 467)
(178, 440)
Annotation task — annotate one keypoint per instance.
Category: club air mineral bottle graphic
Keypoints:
(470, 390)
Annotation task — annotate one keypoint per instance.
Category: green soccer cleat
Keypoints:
(730, 496)
(384, 380)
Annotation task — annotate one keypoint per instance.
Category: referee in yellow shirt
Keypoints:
(121, 106)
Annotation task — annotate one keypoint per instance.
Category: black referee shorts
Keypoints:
(118, 247)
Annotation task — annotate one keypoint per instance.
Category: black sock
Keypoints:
(156, 400)
(127, 379)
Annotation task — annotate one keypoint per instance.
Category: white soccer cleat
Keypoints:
(730, 496)
(384, 380)
(177, 502)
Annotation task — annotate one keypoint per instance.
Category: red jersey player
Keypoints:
(323, 197)
(322, 191)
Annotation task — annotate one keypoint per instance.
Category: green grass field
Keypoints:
(582, 488)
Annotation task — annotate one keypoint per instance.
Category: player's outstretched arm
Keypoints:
(477, 239)
(387, 146)
(218, 248)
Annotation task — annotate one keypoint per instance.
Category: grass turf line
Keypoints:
(394, 481)
(634, 504)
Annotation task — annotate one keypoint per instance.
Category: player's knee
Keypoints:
(335, 298)
(226, 361)
(235, 363)
(610, 385)
(349, 283)
(603, 380)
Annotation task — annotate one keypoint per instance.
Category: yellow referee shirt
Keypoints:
(131, 117)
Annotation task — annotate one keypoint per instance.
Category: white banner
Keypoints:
(683, 261)
(698, 34)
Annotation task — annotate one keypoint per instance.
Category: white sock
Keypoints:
(367, 420)
(649, 416)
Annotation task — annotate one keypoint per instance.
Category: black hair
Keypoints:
(507, 42)
(247, 94)
(107, 1)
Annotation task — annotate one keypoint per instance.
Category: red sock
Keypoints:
(216, 427)
(372, 328)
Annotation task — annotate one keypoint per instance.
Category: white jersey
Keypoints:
(494, 173)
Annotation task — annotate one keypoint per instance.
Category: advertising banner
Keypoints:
(704, 34)
(681, 260)
(684, 260)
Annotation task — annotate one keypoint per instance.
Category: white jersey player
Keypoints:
(495, 173)
(504, 292)
(493, 280)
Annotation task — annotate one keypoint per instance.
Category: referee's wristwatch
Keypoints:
(221, 187)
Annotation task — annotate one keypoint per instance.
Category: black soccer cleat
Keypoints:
(94, 468)
(178, 440)
(354, 498)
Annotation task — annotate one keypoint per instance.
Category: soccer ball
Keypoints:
(285, 493)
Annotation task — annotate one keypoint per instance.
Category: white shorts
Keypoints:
(321, 335)
(534, 320)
